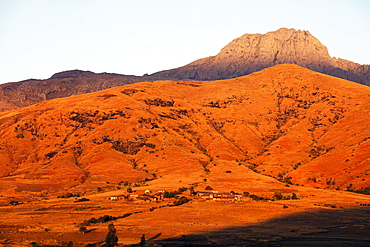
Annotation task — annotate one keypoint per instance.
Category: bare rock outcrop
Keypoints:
(253, 52)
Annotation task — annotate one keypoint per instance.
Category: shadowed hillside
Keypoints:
(294, 125)
(16, 95)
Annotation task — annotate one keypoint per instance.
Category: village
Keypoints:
(149, 196)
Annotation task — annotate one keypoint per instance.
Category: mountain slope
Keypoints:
(287, 122)
(24, 93)
(253, 52)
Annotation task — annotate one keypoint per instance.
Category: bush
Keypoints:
(82, 229)
(278, 196)
(208, 188)
(294, 196)
(171, 194)
(82, 200)
(14, 203)
(181, 201)
(101, 219)
(69, 195)
(182, 189)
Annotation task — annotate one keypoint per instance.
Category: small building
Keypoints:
(205, 195)
(159, 196)
(117, 198)
(221, 196)
(132, 197)
(224, 194)
(225, 198)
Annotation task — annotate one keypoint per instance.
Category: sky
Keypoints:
(41, 37)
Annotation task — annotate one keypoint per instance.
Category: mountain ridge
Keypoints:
(244, 55)
(62, 84)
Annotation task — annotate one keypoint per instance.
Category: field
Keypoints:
(319, 217)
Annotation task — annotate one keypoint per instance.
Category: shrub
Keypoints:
(69, 195)
(294, 196)
(278, 196)
(101, 219)
(168, 194)
(82, 200)
(191, 190)
(182, 189)
(181, 201)
(14, 203)
(82, 229)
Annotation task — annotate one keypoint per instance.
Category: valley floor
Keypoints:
(318, 218)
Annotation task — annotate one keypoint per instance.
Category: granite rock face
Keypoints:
(253, 52)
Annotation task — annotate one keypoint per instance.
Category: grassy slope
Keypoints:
(284, 121)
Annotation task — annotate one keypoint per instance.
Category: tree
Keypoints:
(294, 196)
(142, 241)
(278, 195)
(191, 191)
(82, 229)
(111, 239)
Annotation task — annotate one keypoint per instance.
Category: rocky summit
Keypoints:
(253, 52)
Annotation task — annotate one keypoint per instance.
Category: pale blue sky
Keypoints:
(41, 37)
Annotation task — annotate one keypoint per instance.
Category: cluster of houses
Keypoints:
(222, 196)
(148, 196)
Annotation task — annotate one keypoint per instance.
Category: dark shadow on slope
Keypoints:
(325, 227)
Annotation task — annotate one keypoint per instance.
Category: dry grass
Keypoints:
(251, 134)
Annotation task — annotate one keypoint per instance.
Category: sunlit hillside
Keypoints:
(286, 122)
(263, 153)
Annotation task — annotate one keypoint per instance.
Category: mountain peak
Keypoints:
(282, 46)
(253, 52)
